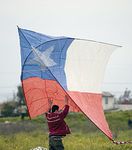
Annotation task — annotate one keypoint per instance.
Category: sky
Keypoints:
(107, 21)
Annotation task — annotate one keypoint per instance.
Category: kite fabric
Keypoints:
(55, 66)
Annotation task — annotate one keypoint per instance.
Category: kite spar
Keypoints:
(55, 66)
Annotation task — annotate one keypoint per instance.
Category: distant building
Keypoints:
(108, 101)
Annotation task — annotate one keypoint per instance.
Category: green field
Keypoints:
(27, 134)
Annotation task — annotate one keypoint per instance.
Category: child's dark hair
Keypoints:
(55, 107)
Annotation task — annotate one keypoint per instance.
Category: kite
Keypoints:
(55, 66)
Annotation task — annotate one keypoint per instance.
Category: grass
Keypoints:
(24, 135)
(76, 141)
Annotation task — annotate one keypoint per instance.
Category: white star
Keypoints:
(43, 58)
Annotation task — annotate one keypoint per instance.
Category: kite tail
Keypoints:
(121, 142)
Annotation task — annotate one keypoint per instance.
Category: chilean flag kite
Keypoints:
(55, 66)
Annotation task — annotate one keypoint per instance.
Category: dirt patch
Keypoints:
(20, 126)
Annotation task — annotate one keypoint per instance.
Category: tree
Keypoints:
(20, 95)
(8, 108)
(126, 97)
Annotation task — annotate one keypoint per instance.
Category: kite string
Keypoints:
(121, 142)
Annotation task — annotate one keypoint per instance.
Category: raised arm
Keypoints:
(66, 109)
(50, 102)
(66, 99)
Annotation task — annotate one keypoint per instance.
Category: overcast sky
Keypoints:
(101, 20)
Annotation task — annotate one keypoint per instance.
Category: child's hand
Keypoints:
(66, 99)
(50, 102)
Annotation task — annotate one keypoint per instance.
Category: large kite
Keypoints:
(55, 66)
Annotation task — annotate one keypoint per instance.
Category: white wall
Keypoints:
(109, 105)
(124, 107)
